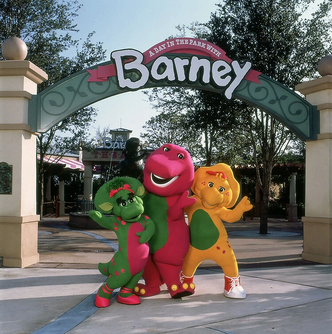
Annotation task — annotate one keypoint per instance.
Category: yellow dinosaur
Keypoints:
(216, 191)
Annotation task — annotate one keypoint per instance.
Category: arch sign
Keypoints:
(184, 62)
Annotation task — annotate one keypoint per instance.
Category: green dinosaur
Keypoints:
(121, 197)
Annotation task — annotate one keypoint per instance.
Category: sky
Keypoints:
(136, 24)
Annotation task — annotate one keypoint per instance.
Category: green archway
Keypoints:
(185, 62)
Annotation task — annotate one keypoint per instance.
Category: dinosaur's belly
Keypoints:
(203, 232)
(137, 253)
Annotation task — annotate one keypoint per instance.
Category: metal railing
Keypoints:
(53, 208)
(84, 205)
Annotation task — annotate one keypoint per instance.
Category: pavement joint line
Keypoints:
(281, 281)
(208, 325)
(108, 242)
(219, 330)
(83, 310)
(73, 317)
(70, 319)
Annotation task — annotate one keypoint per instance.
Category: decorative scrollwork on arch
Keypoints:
(76, 92)
(280, 102)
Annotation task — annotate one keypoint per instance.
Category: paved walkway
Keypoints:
(284, 293)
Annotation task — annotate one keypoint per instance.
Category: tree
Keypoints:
(171, 125)
(207, 122)
(47, 26)
(101, 134)
(280, 42)
(214, 117)
(193, 119)
(165, 128)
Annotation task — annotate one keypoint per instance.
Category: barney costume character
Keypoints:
(216, 191)
(121, 197)
(168, 176)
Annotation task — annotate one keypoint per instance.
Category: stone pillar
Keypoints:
(88, 181)
(292, 209)
(18, 219)
(62, 198)
(317, 223)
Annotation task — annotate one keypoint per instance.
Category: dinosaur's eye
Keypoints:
(211, 184)
(131, 200)
(166, 149)
(180, 156)
(123, 203)
(221, 189)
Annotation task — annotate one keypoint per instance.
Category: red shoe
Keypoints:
(127, 297)
(146, 290)
(105, 301)
(233, 288)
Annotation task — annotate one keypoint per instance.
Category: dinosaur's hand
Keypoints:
(176, 211)
(185, 201)
(245, 205)
(144, 236)
(231, 216)
(95, 215)
(102, 220)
